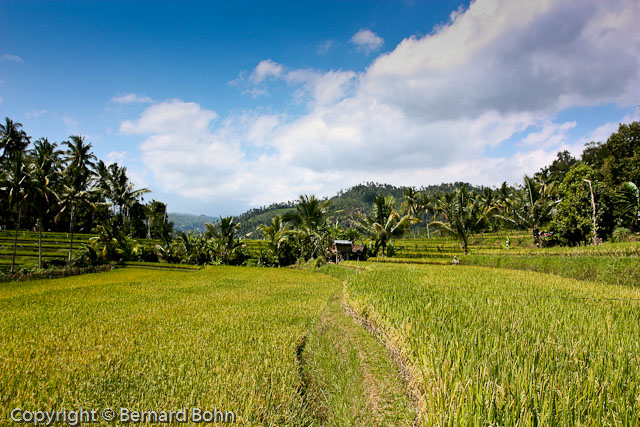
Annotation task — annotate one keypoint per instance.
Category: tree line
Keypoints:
(46, 186)
(572, 201)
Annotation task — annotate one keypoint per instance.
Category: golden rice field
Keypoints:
(485, 346)
(222, 337)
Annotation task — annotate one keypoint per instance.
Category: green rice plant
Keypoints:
(507, 347)
(614, 270)
(221, 337)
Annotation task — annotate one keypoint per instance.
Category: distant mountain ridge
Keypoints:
(343, 205)
(188, 222)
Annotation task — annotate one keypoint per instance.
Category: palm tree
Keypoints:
(384, 223)
(114, 185)
(192, 246)
(276, 235)
(310, 223)
(462, 215)
(411, 204)
(310, 213)
(224, 238)
(78, 175)
(14, 142)
(45, 168)
(70, 200)
(426, 204)
(531, 207)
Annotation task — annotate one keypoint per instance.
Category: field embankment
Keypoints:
(613, 270)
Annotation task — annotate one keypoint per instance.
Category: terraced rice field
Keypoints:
(485, 346)
(55, 246)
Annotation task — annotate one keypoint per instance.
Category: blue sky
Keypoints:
(222, 106)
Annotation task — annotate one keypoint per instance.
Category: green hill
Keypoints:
(188, 222)
(343, 205)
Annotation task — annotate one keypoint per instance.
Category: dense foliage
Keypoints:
(49, 187)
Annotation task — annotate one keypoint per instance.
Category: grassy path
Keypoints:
(272, 345)
(350, 378)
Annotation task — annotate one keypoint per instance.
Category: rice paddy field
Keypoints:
(484, 346)
(493, 341)
(55, 246)
(222, 337)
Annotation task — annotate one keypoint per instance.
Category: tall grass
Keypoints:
(503, 347)
(614, 270)
(221, 337)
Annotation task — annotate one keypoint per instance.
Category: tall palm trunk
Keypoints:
(71, 240)
(15, 242)
(426, 218)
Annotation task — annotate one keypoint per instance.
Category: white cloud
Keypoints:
(116, 157)
(131, 98)
(70, 123)
(264, 70)
(35, 113)
(550, 135)
(429, 111)
(367, 40)
(602, 132)
(171, 117)
(514, 56)
(12, 58)
(324, 47)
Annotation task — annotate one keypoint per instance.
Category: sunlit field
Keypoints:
(223, 337)
(504, 347)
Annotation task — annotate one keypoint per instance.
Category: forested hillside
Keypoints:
(344, 205)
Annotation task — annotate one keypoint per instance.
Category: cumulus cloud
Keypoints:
(12, 58)
(515, 56)
(428, 111)
(131, 98)
(367, 40)
(264, 70)
(312, 86)
(171, 117)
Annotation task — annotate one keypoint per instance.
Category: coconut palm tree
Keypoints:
(14, 142)
(384, 223)
(462, 214)
(411, 203)
(77, 178)
(425, 203)
(45, 169)
(531, 207)
(115, 186)
(276, 235)
(80, 162)
(310, 213)
(310, 223)
(223, 235)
